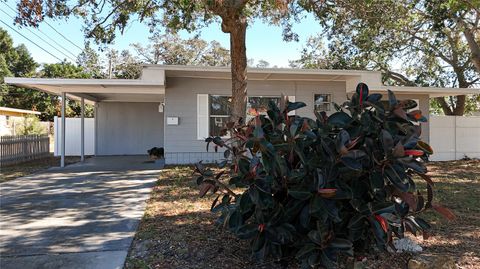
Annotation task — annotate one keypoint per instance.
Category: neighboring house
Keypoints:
(176, 107)
(9, 117)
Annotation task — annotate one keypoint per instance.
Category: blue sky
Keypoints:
(263, 41)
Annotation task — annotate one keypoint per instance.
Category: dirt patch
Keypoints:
(178, 230)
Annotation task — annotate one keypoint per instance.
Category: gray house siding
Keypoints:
(128, 128)
(181, 142)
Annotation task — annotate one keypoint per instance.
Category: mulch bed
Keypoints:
(178, 230)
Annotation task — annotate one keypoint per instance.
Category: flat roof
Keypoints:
(227, 69)
(18, 110)
(93, 89)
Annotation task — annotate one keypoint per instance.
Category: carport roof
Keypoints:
(95, 89)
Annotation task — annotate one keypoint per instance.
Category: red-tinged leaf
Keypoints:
(427, 178)
(214, 203)
(399, 150)
(383, 222)
(353, 143)
(220, 174)
(429, 196)
(425, 147)
(416, 114)
(305, 126)
(447, 213)
(408, 198)
(400, 112)
(327, 193)
(204, 188)
(413, 152)
(261, 227)
(420, 202)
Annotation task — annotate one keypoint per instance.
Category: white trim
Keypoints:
(68, 81)
(227, 69)
(18, 110)
(203, 116)
(431, 91)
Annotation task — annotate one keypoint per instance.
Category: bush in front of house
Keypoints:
(314, 188)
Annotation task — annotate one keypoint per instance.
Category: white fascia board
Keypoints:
(79, 82)
(261, 70)
(431, 91)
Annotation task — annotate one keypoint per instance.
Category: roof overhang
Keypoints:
(95, 89)
(8, 111)
(431, 91)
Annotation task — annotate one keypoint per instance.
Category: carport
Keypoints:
(124, 110)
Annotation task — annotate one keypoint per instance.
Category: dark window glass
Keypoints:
(217, 124)
(220, 105)
(259, 104)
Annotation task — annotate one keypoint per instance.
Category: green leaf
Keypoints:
(295, 105)
(300, 194)
(247, 231)
(339, 119)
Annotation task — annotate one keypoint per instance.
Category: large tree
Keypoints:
(103, 20)
(170, 48)
(426, 38)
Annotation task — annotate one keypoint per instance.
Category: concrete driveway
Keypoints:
(81, 216)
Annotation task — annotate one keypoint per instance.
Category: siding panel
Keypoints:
(128, 128)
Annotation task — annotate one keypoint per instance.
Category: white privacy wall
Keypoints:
(73, 136)
(454, 137)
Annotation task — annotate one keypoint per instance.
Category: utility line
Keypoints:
(63, 35)
(15, 11)
(30, 30)
(30, 40)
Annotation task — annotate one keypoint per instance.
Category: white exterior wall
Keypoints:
(181, 142)
(454, 137)
(128, 128)
(73, 136)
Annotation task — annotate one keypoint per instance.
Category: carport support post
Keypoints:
(62, 135)
(82, 131)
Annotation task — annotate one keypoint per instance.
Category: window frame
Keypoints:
(210, 116)
(260, 96)
(330, 103)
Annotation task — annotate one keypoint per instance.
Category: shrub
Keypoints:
(315, 188)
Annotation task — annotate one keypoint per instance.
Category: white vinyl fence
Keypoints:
(454, 137)
(73, 136)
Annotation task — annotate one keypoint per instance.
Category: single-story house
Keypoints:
(176, 107)
(9, 116)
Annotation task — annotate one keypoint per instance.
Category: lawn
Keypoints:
(178, 229)
(34, 166)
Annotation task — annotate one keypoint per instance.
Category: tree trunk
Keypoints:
(238, 56)
(472, 44)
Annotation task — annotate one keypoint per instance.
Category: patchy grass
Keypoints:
(178, 230)
(34, 166)
(457, 186)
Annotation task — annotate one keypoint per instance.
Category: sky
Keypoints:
(264, 42)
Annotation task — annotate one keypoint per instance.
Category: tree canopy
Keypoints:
(103, 20)
(429, 41)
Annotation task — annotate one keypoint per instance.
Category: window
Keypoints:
(259, 104)
(220, 109)
(322, 102)
(219, 112)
